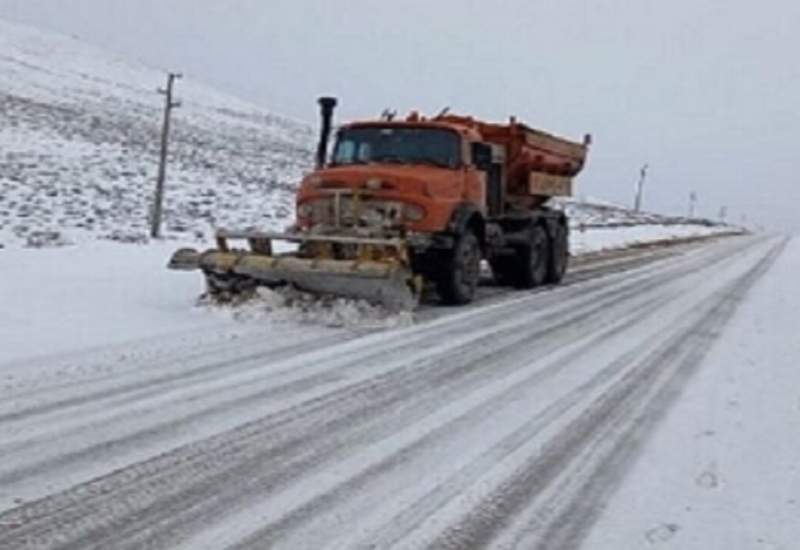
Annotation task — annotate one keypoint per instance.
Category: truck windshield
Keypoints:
(398, 145)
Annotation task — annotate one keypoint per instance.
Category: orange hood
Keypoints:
(396, 181)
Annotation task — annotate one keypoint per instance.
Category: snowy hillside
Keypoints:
(79, 136)
(599, 225)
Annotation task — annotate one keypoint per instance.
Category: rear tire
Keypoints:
(458, 282)
(559, 255)
(534, 259)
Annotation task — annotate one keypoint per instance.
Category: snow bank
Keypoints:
(595, 239)
(98, 293)
(595, 212)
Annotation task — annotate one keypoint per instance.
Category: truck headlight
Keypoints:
(304, 210)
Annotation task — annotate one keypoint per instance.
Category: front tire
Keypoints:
(227, 287)
(458, 282)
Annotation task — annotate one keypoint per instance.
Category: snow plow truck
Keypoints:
(402, 202)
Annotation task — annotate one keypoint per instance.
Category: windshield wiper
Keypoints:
(391, 159)
(434, 162)
(349, 162)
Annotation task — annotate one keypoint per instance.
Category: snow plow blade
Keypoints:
(387, 282)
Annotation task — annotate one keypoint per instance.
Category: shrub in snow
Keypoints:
(45, 239)
(128, 237)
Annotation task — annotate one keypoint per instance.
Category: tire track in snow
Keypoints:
(610, 421)
(212, 363)
(564, 532)
(267, 534)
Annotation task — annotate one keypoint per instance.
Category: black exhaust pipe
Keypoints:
(327, 105)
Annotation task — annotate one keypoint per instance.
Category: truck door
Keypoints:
(494, 191)
(482, 157)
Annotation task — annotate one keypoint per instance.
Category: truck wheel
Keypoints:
(225, 288)
(559, 255)
(459, 281)
(534, 259)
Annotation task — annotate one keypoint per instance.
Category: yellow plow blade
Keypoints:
(389, 284)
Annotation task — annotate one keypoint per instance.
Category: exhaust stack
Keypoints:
(327, 105)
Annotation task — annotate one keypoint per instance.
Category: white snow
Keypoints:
(94, 294)
(723, 470)
(293, 306)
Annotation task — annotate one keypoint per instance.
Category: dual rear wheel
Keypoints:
(542, 261)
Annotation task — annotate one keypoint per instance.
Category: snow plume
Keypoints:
(289, 305)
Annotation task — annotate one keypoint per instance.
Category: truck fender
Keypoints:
(465, 216)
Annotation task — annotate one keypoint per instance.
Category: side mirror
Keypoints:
(482, 156)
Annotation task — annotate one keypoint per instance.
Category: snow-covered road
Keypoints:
(503, 425)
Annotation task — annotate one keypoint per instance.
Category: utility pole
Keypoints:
(158, 202)
(723, 213)
(637, 206)
(692, 203)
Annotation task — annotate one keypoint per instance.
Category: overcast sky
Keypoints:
(705, 91)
